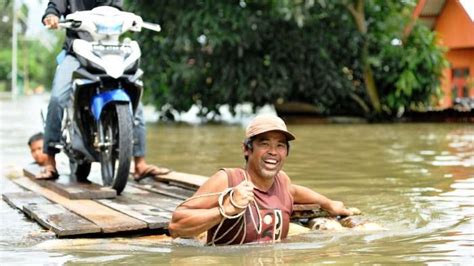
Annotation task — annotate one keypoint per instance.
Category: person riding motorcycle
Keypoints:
(62, 89)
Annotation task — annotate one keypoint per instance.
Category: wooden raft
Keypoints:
(69, 208)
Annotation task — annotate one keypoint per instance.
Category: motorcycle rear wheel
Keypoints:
(115, 159)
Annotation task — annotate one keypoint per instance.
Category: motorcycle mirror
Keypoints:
(151, 26)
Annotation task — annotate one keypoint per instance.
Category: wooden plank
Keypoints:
(75, 190)
(163, 189)
(20, 199)
(70, 189)
(189, 180)
(158, 201)
(175, 189)
(32, 170)
(308, 211)
(305, 207)
(150, 198)
(191, 183)
(61, 221)
(108, 220)
(299, 210)
(154, 217)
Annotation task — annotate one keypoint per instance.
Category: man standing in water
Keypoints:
(62, 89)
(253, 204)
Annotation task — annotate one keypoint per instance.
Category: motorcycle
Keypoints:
(106, 90)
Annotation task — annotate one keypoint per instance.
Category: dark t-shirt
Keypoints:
(64, 7)
(275, 205)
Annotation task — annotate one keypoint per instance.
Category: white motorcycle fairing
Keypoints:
(106, 23)
(114, 63)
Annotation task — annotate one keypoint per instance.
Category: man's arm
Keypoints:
(304, 195)
(56, 8)
(192, 222)
(202, 213)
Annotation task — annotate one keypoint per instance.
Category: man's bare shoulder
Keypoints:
(206, 196)
(216, 183)
(285, 176)
(287, 181)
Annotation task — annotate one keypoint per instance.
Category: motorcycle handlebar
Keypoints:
(73, 24)
(69, 23)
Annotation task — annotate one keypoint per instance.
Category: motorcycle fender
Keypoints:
(77, 143)
(101, 100)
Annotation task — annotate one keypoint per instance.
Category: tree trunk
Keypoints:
(357, 12)
(26, 72)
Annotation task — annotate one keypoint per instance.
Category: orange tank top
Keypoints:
(275, 206)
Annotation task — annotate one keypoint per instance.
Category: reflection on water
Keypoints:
(417, 180)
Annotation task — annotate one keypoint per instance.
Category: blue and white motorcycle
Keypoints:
(97, 126)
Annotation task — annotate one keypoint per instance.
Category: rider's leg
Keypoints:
(60, 94)
(139, 132)
(142, 169)
(139, 139)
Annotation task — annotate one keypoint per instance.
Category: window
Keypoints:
(459, 82)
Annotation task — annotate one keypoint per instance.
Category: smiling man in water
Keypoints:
(251, 204)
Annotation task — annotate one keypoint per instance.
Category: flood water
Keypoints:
(416, 180)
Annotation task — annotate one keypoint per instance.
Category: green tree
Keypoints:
(344, 57)
(35, 63)
(5, 23)
(5, 40)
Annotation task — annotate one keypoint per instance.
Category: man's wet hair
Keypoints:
(248, 143)
(35, 137)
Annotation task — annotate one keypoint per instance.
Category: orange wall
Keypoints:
(456, 31)
(458, 58)
(454, 26)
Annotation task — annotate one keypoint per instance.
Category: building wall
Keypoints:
(454, 26)
(458, 58)
(456, 31)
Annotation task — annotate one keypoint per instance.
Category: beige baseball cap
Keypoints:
(265, 123)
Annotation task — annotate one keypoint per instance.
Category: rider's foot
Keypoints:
(144, 170)
(150, 171)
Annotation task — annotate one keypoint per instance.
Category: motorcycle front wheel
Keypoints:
(116, 153)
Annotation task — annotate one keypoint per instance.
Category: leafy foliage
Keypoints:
(407, 68)
(410, 76)
(35, 63)
(212, 53)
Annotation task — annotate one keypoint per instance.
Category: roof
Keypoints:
(427, 11)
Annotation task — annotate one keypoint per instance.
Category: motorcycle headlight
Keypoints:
(109, 28)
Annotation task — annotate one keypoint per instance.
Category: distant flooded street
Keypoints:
(417, 180)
